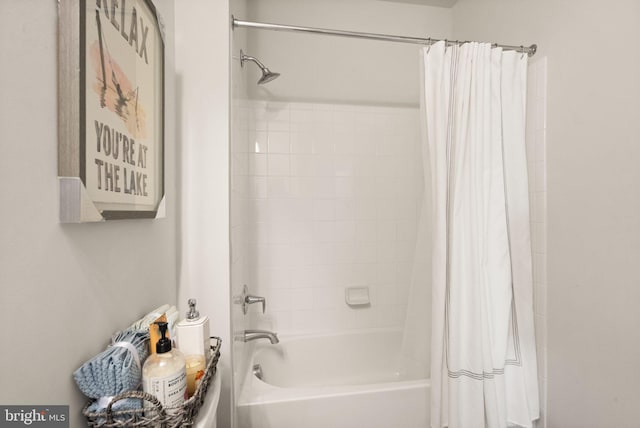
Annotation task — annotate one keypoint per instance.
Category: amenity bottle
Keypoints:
(164, 373)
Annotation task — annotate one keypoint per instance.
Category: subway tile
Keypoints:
(386, 273)
(385, 187)
(364, 317)
(387, 253)
(301, 165)
(279, 232)
(365, 274)
(344, 120)
(302, 298)
(301, 115)
(259, 125)
(323, 114)
(300, 208)
(301, 232)
(302, 142)
(323, 253)
(343, 275)
(302, 321)
(323, 231)
(301, 255)
(405, 251)
(387, 295)
(344, 187)
(324, 187)
(273, 278)
(345, 209)
(240, 163)
(323, 165)
(365, 187)
(278, 187)
(386, 231)
(258, 187)
(279, 299)
(407, 230)
(259, 142)
(344, 143)
(344, 252)
(259, 210)
(344, 166)
(302, 276)
(258, 164)
(366, 209)
(279, 209)
(278, 126)
(323, 144)
(403, 291)
(324, 209)
(278, 165)
(387, 208)
(366, 253)
(333, 206)
(326, 297)
(345, 231)
(278, 142)
(366, 231)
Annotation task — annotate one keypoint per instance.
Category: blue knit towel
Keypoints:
(115, 370)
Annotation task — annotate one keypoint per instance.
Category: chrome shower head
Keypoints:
(267, 75)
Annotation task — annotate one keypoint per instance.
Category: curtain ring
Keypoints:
(429, 43)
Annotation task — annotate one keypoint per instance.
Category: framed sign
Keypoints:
(111, 110)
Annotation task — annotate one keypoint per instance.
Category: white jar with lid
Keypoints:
(192, 338)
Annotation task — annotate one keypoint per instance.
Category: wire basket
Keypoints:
(156, 415)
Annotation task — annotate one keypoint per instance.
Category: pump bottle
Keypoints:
(164, 373)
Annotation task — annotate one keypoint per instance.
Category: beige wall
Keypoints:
(593, 154)
(64, 289)
(336, 69)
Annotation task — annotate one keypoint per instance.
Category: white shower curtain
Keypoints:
(483, 360)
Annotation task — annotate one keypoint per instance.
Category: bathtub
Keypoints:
(333, 381)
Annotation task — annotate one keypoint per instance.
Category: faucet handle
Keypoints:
(249, 300)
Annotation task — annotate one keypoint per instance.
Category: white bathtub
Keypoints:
(333, 381)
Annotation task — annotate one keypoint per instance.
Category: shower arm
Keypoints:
(244, 57)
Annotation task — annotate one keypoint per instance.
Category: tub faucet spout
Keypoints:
(260, 334)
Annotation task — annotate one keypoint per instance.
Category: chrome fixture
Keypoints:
(237, 23)
(248, 299)
(257, 371)
(267, 75)
(261, 334)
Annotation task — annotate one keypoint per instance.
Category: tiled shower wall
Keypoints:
(536, 139)
(333, 194)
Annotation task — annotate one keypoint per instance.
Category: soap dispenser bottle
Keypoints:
(164, 373)
(192, 338)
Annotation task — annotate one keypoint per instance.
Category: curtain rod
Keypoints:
(529, 50)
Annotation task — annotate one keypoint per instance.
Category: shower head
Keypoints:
(267, 75)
